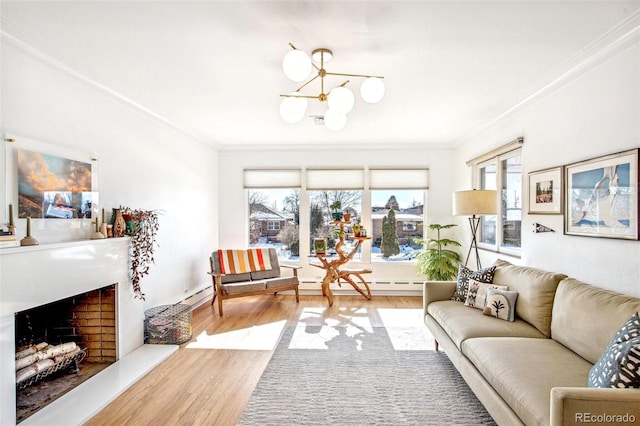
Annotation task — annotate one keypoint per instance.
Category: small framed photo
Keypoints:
(545, 191)
(602, 196)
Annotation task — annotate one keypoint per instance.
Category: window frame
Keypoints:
(496, 161)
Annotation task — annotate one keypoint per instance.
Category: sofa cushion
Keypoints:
(619, 365)
(243, 287)
(462, 323)
(477, 293)
(536, 290)
(585, 318)
(280, 281)
(465, 274)
(523, 371)
(269, 273)
(501, 304)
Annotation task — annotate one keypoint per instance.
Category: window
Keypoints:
(274, 219)
(503, 172)
(320, 219)
(404, 224)
(273, 226)
(273, 198)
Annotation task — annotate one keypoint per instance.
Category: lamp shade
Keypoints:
(334, 120)
(475, 202)
(341, 99)
(296, 65)
(292, 108)
(372, 90)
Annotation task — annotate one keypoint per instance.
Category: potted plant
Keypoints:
(336, 210)
(143, 231)
(435, 261)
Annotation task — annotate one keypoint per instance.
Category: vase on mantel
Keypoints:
(119, 225)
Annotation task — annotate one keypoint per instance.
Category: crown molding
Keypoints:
(612, 42)
(316, 147)
(37, 48)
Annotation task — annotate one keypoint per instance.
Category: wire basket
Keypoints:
(60, 366)
(168, 324)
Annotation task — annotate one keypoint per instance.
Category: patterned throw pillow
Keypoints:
(477, 293)
(501, 304)
(619, 365)
(465, 274)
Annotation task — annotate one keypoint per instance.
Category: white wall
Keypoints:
(142, 164)
(234, 220)
(596, 114)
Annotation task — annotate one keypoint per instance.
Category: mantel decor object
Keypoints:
(143, 243)
(119, 225)
(29, 240)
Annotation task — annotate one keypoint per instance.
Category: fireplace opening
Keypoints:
(62, 344)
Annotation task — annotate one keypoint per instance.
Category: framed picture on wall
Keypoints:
(545, 191)
(602, 196)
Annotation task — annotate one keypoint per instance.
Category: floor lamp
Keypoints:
(474, 203)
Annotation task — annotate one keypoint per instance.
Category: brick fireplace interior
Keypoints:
(89, 320)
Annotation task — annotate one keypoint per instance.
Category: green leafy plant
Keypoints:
(143, 233)
(435, 261)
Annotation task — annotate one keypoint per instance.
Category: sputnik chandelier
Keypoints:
(297, 66)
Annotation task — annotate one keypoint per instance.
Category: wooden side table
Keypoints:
(331, 264)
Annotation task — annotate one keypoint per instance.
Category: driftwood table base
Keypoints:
(333, 272)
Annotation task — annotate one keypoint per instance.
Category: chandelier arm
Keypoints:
(353, 75)
(304, 85)
(299, 96)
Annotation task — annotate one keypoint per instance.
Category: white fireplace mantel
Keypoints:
(34, 275)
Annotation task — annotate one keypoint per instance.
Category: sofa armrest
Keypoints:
(578, 405)
(434, 291)
(292, 267)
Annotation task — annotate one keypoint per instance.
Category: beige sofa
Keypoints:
(535, 370)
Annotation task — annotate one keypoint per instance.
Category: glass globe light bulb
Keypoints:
(292, 109)
(334, 120)
(372, 90)
(341, 100)
(296, 65)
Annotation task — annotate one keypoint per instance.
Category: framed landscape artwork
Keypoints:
(545, 191)
(602, 196)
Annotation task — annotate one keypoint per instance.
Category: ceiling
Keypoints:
(212, 69)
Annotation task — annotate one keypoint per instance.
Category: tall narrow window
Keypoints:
(321, 221)
(397, 218)
(274, 210)
(502, 171)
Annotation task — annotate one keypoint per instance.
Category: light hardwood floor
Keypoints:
(206, 383)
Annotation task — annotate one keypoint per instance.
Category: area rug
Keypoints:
(347, 375)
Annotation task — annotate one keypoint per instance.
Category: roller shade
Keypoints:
(351, 179)
(282, 178)
(399, 179)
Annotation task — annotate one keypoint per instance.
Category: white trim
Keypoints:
(608, 44)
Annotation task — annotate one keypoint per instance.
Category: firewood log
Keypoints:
(52, 351)
(71, 354)
(29, 350)
(26, 361)
(33, 369)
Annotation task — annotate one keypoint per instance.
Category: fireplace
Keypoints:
(37, 276)
(61, 344)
